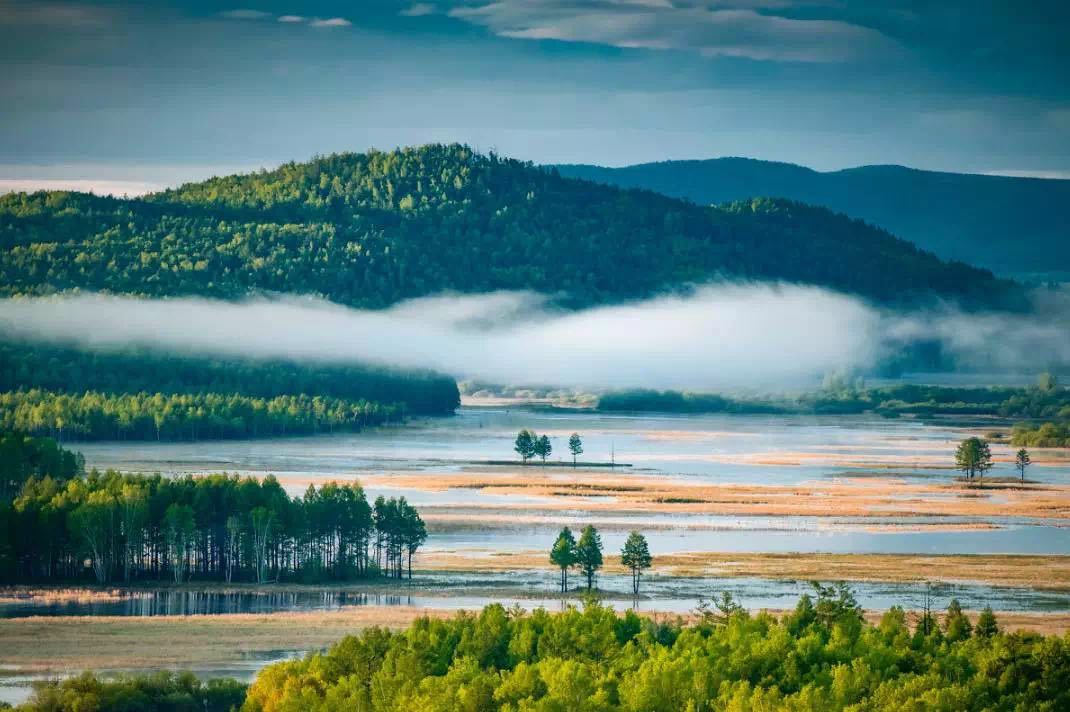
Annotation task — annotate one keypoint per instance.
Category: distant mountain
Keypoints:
(1012, 226)
(372, 229)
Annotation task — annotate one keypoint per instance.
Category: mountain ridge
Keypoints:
(371, 229)
(1014, 226)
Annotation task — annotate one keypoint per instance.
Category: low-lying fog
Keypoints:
(723, 336)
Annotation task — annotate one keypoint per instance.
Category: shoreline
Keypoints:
(1031, 571)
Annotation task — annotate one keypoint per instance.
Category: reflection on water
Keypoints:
(530, 589)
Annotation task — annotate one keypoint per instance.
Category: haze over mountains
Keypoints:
(1013, 226)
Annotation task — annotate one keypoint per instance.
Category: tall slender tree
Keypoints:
(635, 556)
(563, 555)
(575, 446)
(589, 553)
(1022, 461)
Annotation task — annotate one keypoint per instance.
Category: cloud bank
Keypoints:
(725, 29)
(722, 337)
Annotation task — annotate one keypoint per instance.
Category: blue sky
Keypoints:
(152, 93)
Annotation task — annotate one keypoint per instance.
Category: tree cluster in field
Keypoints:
(134, 527)
(822, 656)
(529, 444)
(586, 555)
(973, 457)
(93, 415)
(356, 229)
(71, 370)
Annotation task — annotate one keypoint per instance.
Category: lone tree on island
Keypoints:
(575, 446)
(525, 444)
(1022, 461)
(636, 556)
(973, 457)
(543, 448)
(589, 553)
(563, 555)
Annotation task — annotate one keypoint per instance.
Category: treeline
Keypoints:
(1041, 435)
(159, 692)
(191, 416)
(133, 527)
(1045, 400)
(72, 370)
(373, 229)
(821, 656)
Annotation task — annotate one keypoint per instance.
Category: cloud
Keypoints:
(291, 18)
(722, 337)
(419, 9)
(663, 25)
(331, 22)
(245, 14)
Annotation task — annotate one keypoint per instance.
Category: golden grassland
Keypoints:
(610, 493)
(70, 644)
(1012, 570)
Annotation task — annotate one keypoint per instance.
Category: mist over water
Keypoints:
(722, 336)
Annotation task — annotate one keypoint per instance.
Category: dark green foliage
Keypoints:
(904, 399)
(635, 556)
(161, 692)
(589, 553)
(597, 661)
(71, 370)
(1005, 224)
(372, 229)
(131, 527)
(23, 456)
(563, 555)
(200, 416)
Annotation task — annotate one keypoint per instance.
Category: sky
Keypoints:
(126, 97)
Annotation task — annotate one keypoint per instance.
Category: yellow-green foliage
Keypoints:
(820, 657)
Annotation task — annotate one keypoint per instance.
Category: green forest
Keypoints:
(73, 394)
(72, 370)
(1047, 399)
(200, 416)
(821, 656)
(372, 229)
(134, 527)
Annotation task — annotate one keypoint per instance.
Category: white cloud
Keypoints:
(721, 337)
(291, 18)
(331, 22)
(419, 9)
(245, 14)
(663, 25)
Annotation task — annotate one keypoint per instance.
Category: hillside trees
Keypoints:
(354, 228)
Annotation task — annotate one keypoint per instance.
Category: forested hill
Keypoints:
(1013, 226)
(372, 229)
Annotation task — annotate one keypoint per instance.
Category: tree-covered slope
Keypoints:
(1009, 225)
(372, 229)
